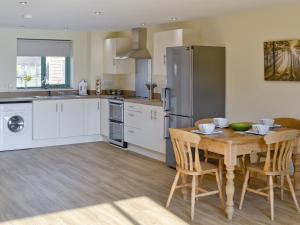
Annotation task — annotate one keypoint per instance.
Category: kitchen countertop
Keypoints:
(145, 101)
(154, 102)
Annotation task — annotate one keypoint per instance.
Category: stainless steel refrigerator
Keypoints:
(195, 88)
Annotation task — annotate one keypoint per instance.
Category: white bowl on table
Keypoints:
(267, 121)
(260, 129)
(220, 122)
(207, 128)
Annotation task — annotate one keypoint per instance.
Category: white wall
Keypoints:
(8, 46)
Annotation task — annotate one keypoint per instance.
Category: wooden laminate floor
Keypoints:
(95, 183)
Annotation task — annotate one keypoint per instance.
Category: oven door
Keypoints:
(116, 111)
(116, 132)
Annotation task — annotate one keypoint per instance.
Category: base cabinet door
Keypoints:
(45, 120)
(91, 116)
(71, 118)
(104, 117)
(154, 134)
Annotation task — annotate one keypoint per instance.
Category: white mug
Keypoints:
(267, 121)
(260, 129)
(220, 122)
(207, 128)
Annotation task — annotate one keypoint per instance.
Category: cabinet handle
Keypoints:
(165, 59)
(151, 114)
(56, 107)
(155, 115)
(61, 107)
(98, 105)
(131, 131)
(131, 106)
(132, 115)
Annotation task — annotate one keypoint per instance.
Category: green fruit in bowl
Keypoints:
(243, 126)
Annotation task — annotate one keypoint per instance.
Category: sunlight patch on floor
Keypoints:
(134, 211)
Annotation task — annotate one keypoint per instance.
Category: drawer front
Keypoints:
(133, 119)
(132, 106)
(132, 135)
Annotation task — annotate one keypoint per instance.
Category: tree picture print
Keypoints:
(282, 60)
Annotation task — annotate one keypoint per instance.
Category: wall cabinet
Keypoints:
(104, 117)
(171, 38)
(162, 40)
(65, 118)
(112, 47)
(144, 126)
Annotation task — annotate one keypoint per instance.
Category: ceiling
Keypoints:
(117, 14)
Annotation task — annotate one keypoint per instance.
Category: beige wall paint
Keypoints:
(8, 49)
(248, 96)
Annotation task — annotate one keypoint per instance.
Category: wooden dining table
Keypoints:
(232, 144)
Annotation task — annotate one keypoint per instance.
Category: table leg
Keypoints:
(297, 173)
(229, 191)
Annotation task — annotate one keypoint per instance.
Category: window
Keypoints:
(43, 64)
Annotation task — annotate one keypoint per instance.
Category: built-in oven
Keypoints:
(116, 122)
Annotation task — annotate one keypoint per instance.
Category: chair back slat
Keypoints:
(288, 122)
(184, 143)
(281, 144)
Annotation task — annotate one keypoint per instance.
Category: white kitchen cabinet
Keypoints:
(170, 38)
(71, 118)
(161, 41)
(112, 47)
(91, 116)
(104, 117)
(154, 132)
(144, 126)
(45, 120)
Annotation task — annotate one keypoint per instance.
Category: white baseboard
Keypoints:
(66, 141)
(147, 153)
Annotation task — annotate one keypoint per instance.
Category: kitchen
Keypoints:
(112, 94)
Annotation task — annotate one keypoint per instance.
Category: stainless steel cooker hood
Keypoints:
(139, 46)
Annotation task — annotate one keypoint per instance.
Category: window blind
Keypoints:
(42, 47)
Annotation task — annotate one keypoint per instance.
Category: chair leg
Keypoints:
(220, 189)
(220, 168)
(242, 165)
(271, 196)
(254, 178)
(193, 194)
(206, 156)
(293, 192)
(184, 190)
(245, 185)
(281, 186)
(173, 189)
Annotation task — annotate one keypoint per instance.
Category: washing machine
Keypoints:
(16, 126)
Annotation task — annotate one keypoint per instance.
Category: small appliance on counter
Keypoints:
(82, 87)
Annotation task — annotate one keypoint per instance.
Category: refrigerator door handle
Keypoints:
(166, 99)
(166, 127)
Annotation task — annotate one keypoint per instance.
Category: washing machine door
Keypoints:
(15, 124)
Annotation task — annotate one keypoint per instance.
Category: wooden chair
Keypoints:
(285, 122)
(282, 144)
(188, 165)
(220, 158)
